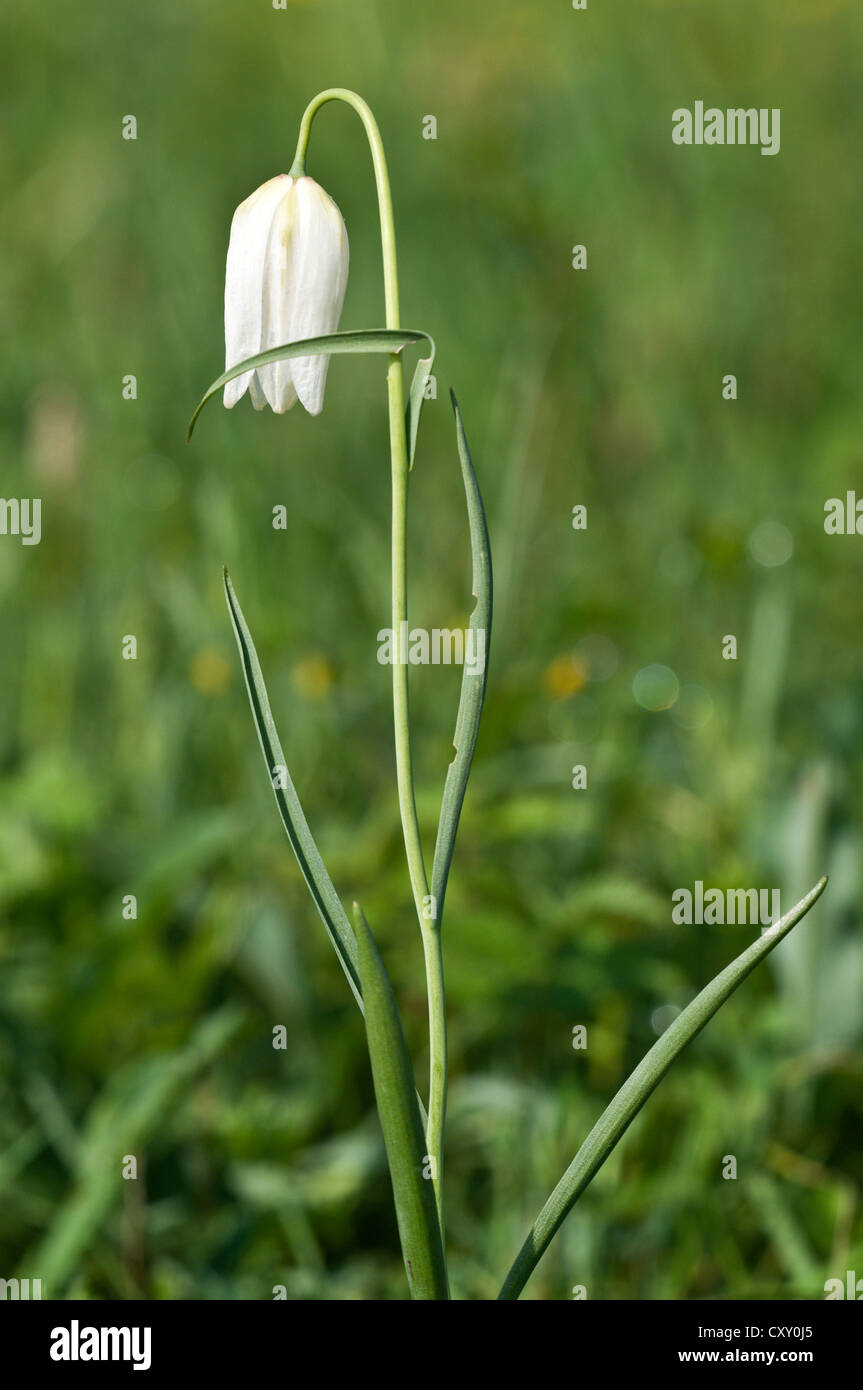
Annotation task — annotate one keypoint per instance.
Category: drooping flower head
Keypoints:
(285, 280)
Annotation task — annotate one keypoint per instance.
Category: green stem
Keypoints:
(429, 924)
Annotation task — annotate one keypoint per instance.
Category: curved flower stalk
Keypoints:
(284, 286)
(400, 460)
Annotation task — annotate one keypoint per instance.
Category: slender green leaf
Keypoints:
(635, 1091)
(404, 1141)
(319, 883)
(474, 676)
(308, 855)
(362, 341)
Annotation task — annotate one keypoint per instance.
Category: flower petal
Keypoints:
(244, 275)
(278, 298)
(256, 393)
(320, 277)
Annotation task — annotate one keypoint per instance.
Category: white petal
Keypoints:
(320, 277)
(244, 274)
(256, 394)
(278, 296)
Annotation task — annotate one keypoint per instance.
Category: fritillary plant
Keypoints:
(285, 282)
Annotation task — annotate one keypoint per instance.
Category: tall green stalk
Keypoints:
(427, 917)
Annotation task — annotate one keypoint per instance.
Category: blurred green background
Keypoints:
(153, 1037)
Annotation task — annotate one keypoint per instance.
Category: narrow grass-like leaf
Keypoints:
(392, 1073)
(474, 678)
(314, 871)
(363, 340)
(635, 1091)
(416, 396)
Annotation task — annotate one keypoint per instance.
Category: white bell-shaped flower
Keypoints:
(285, 280)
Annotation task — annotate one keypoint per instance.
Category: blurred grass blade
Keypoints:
(416, 396)
(122, 1120)
(404, 1140)
(319, 883)
(635, 1091)
(362, 341)
(473, 683)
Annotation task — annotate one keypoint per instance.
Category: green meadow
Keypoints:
(151, 1035)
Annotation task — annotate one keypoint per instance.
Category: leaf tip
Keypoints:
(815, 893)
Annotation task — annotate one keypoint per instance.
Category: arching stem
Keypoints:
(427, 916)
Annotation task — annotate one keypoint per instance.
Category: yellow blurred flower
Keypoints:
(566, 676)
(313, 676)
(209, 671)
(55, 434)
